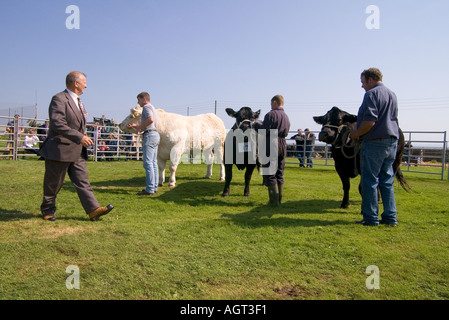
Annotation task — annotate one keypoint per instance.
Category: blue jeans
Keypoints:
(309, 158)
(300, 156)
(376, 165)
(149, 147)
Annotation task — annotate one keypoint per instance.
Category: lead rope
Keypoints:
(353, 144)
(339, 128)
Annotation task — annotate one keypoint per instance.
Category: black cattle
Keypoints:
(335, 131)
(238, 137)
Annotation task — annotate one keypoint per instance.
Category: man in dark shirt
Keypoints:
(310, 145)
(300, 142)
(276, 122)
(378, 129)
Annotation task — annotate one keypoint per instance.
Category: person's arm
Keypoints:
(364, 128)
(145, 124)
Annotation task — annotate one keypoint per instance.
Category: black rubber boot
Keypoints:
(273, 193)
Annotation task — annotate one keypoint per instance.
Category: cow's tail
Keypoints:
(402, 181)
(397, 163)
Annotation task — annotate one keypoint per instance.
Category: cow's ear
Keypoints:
(349, 118)
(257, 114)
(319, 120)
(230, 112)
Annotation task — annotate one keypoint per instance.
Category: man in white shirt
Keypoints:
(65, 151)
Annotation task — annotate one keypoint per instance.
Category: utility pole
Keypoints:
(35, 108)
(216, 107)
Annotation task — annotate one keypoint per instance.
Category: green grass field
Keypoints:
(190, 243)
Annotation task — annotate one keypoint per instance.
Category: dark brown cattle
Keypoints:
(335, 131)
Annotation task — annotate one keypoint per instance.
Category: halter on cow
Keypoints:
(335, 131)
(345, 142)
(245, 119)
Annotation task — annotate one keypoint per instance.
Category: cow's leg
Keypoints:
(173, 167)
(161, 165)
(222, 172)
(219, 152)
(175, 158)
(248, 175)
(209, 171)
(228, 178)
(346, 186)
(209, 160)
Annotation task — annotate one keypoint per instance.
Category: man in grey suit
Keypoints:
(65, 151)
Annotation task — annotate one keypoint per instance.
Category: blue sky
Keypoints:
(189, 53)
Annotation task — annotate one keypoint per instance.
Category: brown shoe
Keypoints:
(49, 217)
(100, 211)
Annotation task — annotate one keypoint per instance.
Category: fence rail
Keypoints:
(18, 141)
(419, 153)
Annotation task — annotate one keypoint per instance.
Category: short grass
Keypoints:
(190, 243)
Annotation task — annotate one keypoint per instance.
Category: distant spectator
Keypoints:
(300, 142)
(30, 141)
(99, 127)
(42, 132)
(127, 141)
(111, 143)
(102, 147)
(310, 145)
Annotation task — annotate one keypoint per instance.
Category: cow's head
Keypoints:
(245, 118)
(132, 118)
(334, 123)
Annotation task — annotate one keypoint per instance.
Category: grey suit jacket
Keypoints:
(67, 127)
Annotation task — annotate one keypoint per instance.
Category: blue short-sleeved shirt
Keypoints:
(379, 104)
(148, 111)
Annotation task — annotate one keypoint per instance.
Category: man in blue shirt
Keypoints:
(378, 129)
(151, 139)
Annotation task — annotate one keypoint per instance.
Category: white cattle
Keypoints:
(180, 135)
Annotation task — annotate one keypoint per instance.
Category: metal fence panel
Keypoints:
(424, 149)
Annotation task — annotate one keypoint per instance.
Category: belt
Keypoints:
(149, 131)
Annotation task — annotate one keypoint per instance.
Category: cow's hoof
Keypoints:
(221, 179)
(344, 205)
(206, 177)
(246, 194)
(160, 185)
(225, 194)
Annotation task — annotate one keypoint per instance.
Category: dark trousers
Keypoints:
(55, 172)
(278, 177)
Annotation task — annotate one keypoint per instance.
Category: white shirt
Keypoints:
(30, 141)
(74, 97)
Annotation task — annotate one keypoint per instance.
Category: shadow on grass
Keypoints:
(10, 215)
(262, 216)
(122, 186)
(203, 192)
(191, 191)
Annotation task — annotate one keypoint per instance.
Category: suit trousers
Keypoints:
(55, 172)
